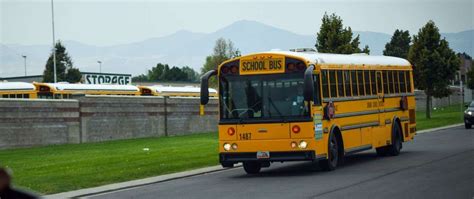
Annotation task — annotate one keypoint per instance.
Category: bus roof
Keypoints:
(108, 87)
(185, 89)
(342, 59)
(16, 86)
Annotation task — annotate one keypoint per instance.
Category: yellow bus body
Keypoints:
(17, 90)
(65, 91)
(363, 122)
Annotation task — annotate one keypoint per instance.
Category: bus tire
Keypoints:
(396, 146)
(332, 161)
(252, 167)
(467, 125)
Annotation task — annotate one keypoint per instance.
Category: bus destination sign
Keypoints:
(267, 64)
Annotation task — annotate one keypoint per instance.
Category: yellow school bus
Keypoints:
(305, 106)
(66, 90)
(174, 91)
(17, 90)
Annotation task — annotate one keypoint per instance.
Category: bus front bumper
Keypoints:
(278, 156)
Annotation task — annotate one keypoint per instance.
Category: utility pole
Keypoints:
(54, 42)
(100, 66)
(24, 60)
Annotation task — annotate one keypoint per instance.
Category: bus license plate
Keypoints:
(263, 154)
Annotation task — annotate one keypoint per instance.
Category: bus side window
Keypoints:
(379, 82)
(354, 83)
(360, 80)
(12, 95)
(401, 76)
(4, 96)
(396, 81)
(325, 85)
(407, 76)
(385, 82)
(367, 82)
(340, 84)
(372, 81)
(390, 82)
(347, 83)
(317, 91)
(26, 95)
(332, 82)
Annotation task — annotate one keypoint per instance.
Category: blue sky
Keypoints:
(109, 22)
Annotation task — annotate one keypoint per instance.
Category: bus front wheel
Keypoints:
(331, 162)
(252, 167)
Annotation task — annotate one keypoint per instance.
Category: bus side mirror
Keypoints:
(205, 86)
(308, 83)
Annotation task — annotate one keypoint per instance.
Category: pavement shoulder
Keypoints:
(439, 128)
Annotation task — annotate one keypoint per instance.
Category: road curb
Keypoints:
(157, 179)
(135, 183)
(439, 128)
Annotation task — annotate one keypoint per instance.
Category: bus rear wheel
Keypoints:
(396, 146)
(252, 167)
(331, 162)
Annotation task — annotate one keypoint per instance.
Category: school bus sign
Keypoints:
(262, 64)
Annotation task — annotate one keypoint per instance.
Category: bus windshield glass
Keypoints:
(263, 97)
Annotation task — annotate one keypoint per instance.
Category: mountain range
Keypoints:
(187, 48)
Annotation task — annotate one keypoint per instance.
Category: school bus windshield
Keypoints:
(263, 97)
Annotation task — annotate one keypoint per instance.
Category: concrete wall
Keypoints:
(26, 122)
(454, 98)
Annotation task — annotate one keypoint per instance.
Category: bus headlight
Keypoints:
(227, 146)
(234, 146)
(303, 145)
(293, 145)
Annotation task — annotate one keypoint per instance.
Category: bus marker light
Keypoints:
(231, 131)
(303, 145)
(293, 145)
(295, 129)
(227, 146)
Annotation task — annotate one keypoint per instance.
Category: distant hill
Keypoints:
(187, 48)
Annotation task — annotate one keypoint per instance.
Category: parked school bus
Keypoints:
(66, 90)
(307, 106)
(173, 91)
(17, 90)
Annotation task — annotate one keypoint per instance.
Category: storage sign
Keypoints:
(106, 78)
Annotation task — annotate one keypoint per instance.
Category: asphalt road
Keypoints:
(436, 165)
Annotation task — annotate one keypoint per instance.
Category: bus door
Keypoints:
(380, 99)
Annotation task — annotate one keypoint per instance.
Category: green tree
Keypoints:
(140, 78)
(223, 50)
(334, 38)
(434, 63)
(191, 74)
(399, 45)
(470, 77)
(64, 67)
(156, 73)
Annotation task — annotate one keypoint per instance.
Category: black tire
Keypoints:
(467, 125)
(381, 151)
(396, 146)
(252, 167)
(332, 161)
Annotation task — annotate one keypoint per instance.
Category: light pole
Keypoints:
(24, 61)
(100, 66)
(54, 41)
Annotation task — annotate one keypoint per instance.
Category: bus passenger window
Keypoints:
(379, 82)
(385, 82)
(372, 81)
(360, 80)
(396, 81)
(354, 83)
(347, 83)
(340, 84)
(401, 77)
(317, 91)
(390, 82)
(12, 95)
(325, 85)
(26, 95)
(367, 83)
(4, 96)
(19, 96)
(407, 77)
(332, 82)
